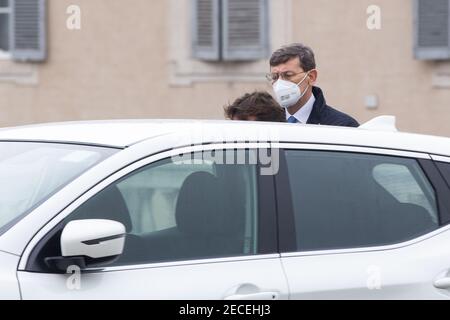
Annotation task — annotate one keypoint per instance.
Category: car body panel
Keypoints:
(9, 286)
(405, 271)
(203, 280)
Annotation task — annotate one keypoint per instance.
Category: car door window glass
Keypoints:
(151, 194)
(405, 186)
(181, 210)
(347, 200)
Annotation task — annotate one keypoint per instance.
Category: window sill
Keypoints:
(5, 55)
(441, 75)
(18, 73)
(191, 71)
(185, 70)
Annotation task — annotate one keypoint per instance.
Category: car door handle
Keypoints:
(443, 283)
(254, 296)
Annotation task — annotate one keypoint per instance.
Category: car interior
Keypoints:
(210, 221)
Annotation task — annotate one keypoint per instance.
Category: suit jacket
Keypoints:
(326, 115)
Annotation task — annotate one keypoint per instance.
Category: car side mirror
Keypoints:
(89, 243)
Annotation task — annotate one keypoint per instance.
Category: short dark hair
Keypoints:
(286, 53)
(258, 104)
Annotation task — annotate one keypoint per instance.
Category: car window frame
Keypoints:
(267, 219)
(442, 188)
(287, 234)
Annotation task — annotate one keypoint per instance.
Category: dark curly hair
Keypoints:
(259, 106)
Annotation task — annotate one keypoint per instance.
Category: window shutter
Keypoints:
(28, 28)
(206, 30)
(245, 29)
(432, 36)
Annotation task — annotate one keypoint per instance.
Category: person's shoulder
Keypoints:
(332, 116)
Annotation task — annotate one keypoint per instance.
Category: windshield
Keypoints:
(31, 172)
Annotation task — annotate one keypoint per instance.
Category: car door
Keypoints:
(199, 226)
(362, 223)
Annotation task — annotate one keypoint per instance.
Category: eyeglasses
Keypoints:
(287, 75)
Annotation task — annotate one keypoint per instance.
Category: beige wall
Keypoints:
(355, 62)
(105, 70)
(118, 66)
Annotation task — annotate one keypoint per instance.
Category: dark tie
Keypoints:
(292, 119)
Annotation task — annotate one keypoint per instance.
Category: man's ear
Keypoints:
(312, 77)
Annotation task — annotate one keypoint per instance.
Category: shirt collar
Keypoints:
(302, 115)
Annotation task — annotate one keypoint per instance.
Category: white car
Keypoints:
(186, 209)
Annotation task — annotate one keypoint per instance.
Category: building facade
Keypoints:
(106, 59)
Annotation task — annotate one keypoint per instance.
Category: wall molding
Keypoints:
(18, 73)
(185, 71)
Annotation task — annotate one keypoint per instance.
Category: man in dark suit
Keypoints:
(293, 75)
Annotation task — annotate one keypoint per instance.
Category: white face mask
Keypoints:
(288, 93)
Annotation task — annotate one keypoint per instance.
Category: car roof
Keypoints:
(113, 133)
(124, 133)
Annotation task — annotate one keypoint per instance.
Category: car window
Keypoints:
(347, 200)
(180, 210)
(404, 185)
(150, 195)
